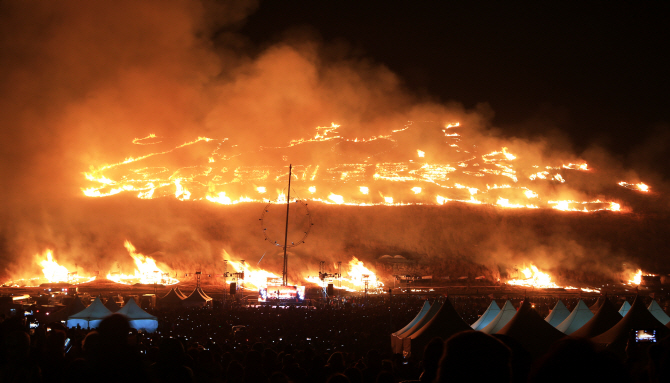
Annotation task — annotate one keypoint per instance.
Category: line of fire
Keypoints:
(463, 173)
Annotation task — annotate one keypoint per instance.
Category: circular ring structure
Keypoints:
(290, 243)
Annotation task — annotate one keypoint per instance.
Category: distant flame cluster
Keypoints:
(353, 278)
(535, 278)
(147, 272)
(460, 172)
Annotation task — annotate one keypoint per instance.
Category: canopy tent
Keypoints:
(434, 308)
(506, 313)
(596, 306)
(444, 324)
(91, 316)
(139, 319)
(579, 316)
(198, 298)
(606, 317)
(624, 308)
(638, 318)
(112, 305)
(72, 308)
(486, 318)
(180, 293)
(529, 329)
(171, 300)
(395, 336)
(657, 311)
(558, 314)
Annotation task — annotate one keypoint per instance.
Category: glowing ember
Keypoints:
(147, 271)
(364, 189)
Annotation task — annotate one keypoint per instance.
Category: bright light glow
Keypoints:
(416, 190)
(421, 153)
(338, 199)
(261, 189)
(364, 189)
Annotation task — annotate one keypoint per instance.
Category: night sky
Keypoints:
(597, 71)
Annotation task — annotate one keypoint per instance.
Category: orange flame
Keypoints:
(147, 271)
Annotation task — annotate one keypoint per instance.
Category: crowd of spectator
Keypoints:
(328, 343)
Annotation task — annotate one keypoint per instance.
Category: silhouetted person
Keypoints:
(338, 378)
(171, 364)
(586, 364)
(472, 356)
(18, 366)
(431, 360)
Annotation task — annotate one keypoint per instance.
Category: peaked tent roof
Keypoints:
(179, 292)
(444, 324)
(396, 335)
(596, 306)
(557, 314)
(96, 310)
(198, 296)
(72, 308)
(397, 342)
(422, 312)
(624, 308)
(638, 317)
(506, 313)
(606, 317)
(172, 296)
(134, 312)
(657, 311)
(486, 318)
(579, 316)
(531, 330)
(112, 305)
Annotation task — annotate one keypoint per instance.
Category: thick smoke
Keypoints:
(79, 81)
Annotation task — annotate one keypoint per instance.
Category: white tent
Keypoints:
(624, 308)
(487, 317)
(558, 314)
(577, 318)
(139, 319)
(657, 311)
(506, 313)
(91, 316)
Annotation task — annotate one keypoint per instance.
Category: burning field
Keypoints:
(144, 160)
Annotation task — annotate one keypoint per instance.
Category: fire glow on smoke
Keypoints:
(375, 170)
(146, 272)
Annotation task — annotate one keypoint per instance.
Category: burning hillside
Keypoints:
(176, 141)
(374, 170)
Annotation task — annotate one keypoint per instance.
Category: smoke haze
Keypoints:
(80, 81)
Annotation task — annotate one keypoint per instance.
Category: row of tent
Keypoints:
(601, 323)
(175, 299)
(77, 314)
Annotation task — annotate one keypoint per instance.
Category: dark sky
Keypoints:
(597, 72)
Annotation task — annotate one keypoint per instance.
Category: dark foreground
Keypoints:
(301, 345)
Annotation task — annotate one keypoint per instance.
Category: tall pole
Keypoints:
(288, 201)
